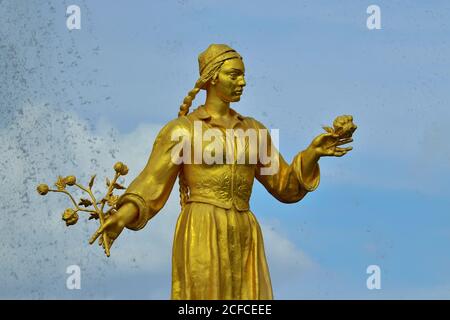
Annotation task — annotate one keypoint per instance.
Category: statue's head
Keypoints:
(221, 72)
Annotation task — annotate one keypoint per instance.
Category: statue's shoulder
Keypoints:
(198, 114)
(252, 122)
(177, 126)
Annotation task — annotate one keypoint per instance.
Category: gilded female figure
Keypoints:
(218, 250)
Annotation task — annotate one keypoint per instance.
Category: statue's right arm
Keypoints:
(127, 214)
(149, 191)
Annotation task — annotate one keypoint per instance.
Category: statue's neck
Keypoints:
(216, 107)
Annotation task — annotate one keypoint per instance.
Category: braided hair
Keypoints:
(200, 84)
(184, 110)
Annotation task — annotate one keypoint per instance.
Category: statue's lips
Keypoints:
(239, 92)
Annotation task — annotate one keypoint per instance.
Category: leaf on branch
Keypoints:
(91, 182)
(108, 183)
(85, 202)
(118, 186)
(93, 216)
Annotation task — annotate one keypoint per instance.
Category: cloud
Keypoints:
(42, 142)
(282, 253)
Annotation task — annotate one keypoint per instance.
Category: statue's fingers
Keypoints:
(96, 234)
(328, 134)
(341, 142)
(106, 242)
(339, 153)
(94, 237)
(344, 141)
(100, 241)
(344, 149)
(334, 135)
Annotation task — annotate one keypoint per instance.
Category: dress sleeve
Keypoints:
(150, 190)
(287, 183)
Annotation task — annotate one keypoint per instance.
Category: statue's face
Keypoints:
(230, 82)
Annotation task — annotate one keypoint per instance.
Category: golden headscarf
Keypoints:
(214, 55)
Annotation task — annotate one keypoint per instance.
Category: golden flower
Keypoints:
(42, 189)
(70, 217)
(124, 170)
(118, 167)
(121, 168)
(112, 200)
(70, 180)
(344, 126)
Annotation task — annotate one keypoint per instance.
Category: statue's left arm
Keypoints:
(288, 183)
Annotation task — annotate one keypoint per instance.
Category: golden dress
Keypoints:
(218, 249)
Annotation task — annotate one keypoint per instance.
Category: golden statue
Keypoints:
(218, 250)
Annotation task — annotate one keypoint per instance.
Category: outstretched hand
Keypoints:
(327, 144)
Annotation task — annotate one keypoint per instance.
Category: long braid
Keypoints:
(184, 110)
(187, 101)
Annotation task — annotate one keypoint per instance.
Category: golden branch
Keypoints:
(70, 215)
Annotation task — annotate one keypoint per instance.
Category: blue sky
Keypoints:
(71, 101)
